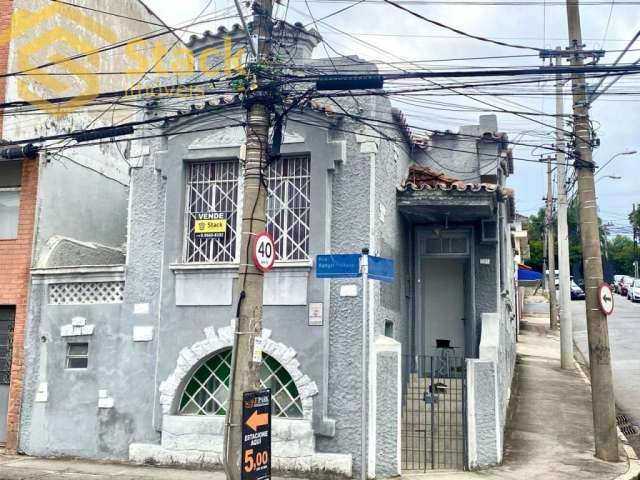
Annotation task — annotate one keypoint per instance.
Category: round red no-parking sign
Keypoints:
(264, 252)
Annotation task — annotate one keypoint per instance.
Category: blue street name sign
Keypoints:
(338, 266)
(381, 269)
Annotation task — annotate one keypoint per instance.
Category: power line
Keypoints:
(108, 47)
(460, 32)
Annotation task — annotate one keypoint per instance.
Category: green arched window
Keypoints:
(207, 392)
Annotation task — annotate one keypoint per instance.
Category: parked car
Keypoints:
(616, 283)
(625, 283)
(633, 293)
(576, 292)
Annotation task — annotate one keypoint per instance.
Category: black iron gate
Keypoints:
(434, 429)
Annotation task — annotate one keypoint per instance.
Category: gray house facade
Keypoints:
(130, 361)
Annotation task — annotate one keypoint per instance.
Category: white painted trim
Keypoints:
(472, 449)
(81, 274)
(371, 290)
(178, 267)
(222, 338)
(385, 344)
(81, 269)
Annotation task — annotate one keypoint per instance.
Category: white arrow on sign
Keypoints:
(605, 299)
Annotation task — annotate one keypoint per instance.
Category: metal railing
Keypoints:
(434, 429)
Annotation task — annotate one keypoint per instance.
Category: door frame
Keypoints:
(421, 233)
(11, 319)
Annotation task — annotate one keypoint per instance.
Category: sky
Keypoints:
(379, 32)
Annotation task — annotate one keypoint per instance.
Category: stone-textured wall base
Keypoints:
(198, 441)
(315, 463)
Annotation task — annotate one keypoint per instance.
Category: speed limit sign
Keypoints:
(264, 252)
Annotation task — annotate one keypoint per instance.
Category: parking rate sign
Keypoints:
(256, 435)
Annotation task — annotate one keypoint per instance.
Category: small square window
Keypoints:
(77, 355)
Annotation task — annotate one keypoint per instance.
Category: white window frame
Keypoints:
(17, 190)
(230, 257)
(287, 248)
(68, 356)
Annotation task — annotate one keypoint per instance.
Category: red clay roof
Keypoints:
(424, 178)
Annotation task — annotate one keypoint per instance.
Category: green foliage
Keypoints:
(536, 225)
(620, 251)
(536, 258)
(634, 218)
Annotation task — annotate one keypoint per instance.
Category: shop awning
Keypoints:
(525, 274)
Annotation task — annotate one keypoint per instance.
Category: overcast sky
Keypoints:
(540, 25)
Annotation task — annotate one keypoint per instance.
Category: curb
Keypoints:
(633, 472)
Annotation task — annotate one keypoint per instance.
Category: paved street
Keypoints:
(624, 335)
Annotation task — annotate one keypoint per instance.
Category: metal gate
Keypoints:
(434, 429)
(7, 318)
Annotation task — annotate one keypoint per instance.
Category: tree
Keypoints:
(535, 233)
(621, 255)
(634, 218)
(536, 225)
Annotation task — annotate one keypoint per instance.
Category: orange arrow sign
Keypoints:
(257, 420)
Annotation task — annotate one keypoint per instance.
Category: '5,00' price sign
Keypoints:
(256, 435)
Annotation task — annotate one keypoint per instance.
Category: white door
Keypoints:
(6, 342)
(443, 302)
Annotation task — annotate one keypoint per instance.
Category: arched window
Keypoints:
(207, 392)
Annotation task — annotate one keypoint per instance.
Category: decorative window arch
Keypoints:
(295, 388)
(207, 391)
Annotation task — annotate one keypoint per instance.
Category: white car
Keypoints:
(633, 292)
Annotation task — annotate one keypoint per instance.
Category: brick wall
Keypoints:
(15, 263)
(15, 255)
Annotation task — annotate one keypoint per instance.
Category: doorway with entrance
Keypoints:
(7, 321)
(434, 394)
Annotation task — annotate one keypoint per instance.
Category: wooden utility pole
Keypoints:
(604, 413)
(564, 276)
(245, 374)
(551, 250)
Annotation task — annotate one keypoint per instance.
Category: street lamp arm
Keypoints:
(628, 152)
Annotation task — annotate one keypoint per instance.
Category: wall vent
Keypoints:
(86, 293)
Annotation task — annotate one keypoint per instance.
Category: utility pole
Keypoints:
(551, 253)
(245, 374)
(636, 233)
(564, 301)
(606, 440)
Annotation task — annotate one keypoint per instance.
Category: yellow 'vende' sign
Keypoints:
(211, 226)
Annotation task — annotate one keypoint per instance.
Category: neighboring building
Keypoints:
(67, 205)
(140, 351)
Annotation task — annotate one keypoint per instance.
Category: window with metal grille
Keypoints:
(212, 188)
(7, 318)
(77, 355)
(207, 392)
(289, 206)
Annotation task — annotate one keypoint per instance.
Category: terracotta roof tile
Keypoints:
(424, 178)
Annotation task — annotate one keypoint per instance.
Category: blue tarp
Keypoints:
(525, 275)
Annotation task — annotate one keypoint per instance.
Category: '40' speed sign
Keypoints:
(264, 251)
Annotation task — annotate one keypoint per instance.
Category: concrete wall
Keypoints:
(81, 193)
(489, 377)
(15, 261)
(95, 178)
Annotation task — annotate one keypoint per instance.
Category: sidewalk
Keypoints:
(549, 432)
